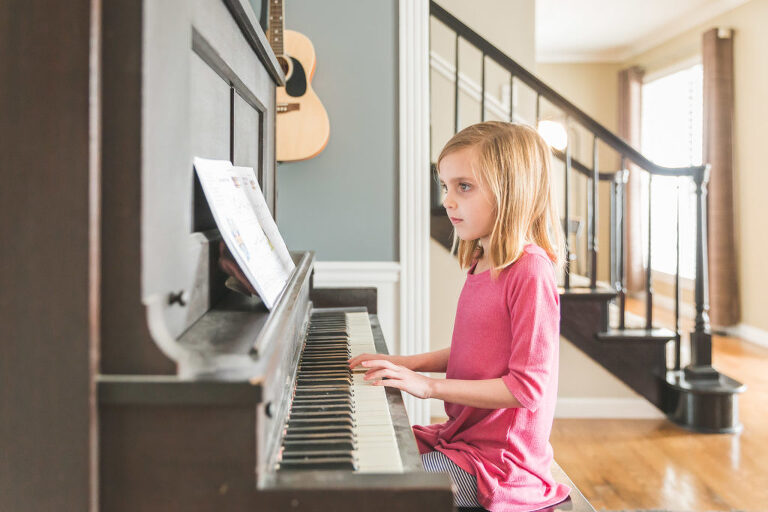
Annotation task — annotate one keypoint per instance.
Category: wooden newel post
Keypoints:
(701, 337)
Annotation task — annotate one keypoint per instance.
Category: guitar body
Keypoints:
(302, 122)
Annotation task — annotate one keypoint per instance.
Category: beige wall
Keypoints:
(585, 84)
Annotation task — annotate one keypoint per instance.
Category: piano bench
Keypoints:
(576, 501)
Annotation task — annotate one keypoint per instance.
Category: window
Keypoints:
(672, 136)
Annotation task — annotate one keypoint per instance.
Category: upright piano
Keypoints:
(206, 399)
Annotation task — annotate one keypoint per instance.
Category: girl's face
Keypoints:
(470, 206)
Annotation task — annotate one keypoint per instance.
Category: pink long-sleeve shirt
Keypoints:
(508, 328)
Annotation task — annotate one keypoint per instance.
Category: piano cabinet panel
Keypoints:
(344, 298)
(177, 458)
(247, 130)
(179, 79)
(315, 491)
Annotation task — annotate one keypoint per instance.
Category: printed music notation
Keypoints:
(246, 225)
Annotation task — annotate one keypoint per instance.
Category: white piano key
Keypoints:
(377, 450)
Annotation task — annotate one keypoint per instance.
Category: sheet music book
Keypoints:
(246, 225)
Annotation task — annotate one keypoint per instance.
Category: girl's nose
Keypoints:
(448, 202)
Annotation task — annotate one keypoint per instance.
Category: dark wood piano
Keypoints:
(207, 400)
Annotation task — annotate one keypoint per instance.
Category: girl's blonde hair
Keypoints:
(514, 162)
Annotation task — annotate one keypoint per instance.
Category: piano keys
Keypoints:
(337, 420)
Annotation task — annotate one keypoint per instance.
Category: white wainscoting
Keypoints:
(382, 275)
(605, 408)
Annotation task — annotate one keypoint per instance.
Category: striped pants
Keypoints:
(464, 484)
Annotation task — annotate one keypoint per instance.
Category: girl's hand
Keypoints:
(398, 360)
(398, 377)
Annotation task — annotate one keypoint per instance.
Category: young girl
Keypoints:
(501, 369)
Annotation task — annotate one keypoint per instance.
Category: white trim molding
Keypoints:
(746, 333)
(414, 186)
(382, 275)
(471, 88)
(604, 408)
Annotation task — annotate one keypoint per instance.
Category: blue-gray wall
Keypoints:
(343, 204)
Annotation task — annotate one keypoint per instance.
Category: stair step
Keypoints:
(586, 293)
(660, 334)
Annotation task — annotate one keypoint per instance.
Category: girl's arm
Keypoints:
(436, 361)
(483, 394)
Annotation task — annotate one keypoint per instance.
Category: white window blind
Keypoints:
(671, 135)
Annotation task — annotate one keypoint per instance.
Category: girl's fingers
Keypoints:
(379, 374)
(354, 361)
(391, 383)
(379, 363)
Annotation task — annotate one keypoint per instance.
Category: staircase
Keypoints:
(646, 357)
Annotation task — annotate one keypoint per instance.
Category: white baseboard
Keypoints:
(604, 408)
(747, 333)
(383, 275)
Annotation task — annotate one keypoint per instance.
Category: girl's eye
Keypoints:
(464, 186)
(443, 187)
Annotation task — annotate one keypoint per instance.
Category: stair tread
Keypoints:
(634, 334)
(586, 293)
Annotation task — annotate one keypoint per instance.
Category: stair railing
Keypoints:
(701, 337)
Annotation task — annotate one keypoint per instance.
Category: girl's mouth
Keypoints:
(454, 220)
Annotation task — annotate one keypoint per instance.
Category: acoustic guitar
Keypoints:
(302, 123)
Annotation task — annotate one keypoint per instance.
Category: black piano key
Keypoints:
(320, 429)
(309, 376)
(315, 364)
(329, 415)
(301, 453)
(335, 352)
(319, 444)
(318, 464)
(319, 422)
(318, 436)
(326, 337)
(320, 381)
(304, 391)
(322, 400)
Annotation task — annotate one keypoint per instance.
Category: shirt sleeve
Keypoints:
(534, 306)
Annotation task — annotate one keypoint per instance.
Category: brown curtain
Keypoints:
(717, 58)
(630, 104)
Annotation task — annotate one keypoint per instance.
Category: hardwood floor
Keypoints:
(653, 464)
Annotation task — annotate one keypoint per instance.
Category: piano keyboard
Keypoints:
(337, 420)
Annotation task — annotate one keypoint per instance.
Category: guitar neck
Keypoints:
(276, 25)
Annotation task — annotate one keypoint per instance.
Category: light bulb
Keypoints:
(553, 134)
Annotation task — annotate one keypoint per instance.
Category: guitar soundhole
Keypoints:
(284, 64)
(297, 83)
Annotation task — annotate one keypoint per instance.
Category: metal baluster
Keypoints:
(677, 277)
(567, 209)
(592, 242)
(648, 284)
(613, 223)
(511, 98)
(482, 91)
(622, 234)
(456, 87)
